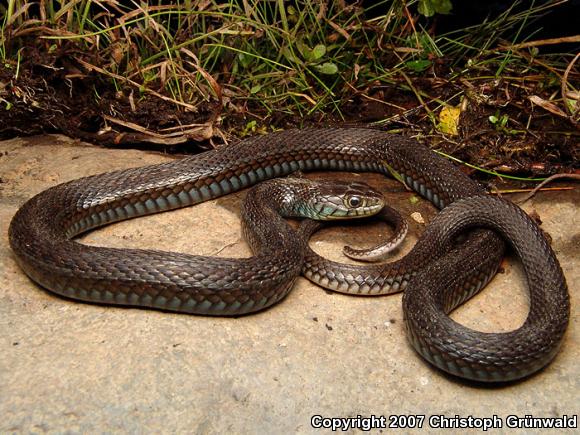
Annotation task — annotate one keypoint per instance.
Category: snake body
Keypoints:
(433, 294)
(382, 251)
(41, 230)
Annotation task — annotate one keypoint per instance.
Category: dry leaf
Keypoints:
(449, 120)
(546, 105)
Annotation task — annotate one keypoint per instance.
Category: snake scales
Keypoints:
(438, 274)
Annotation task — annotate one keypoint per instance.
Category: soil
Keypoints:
(52, 95)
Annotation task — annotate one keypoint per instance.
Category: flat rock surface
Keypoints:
(74, 367)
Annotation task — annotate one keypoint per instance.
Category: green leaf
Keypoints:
(255, 89)
(318, 52)
(394, 173)
(418, 65)
(303, 49)
(429, 8)
(443, 6)
(287, 53)
(503, 120)
(426, 8)
(327, 68)
(249, 128)
(311, 54)
(244, 59)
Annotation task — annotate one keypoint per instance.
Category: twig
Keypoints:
(565, 87)
(540, 42)
(546, 181)
(419, 98)
(199, 133)
(229, 245)
(544, 189)
(137, 85)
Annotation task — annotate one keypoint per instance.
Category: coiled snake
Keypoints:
(437, 274)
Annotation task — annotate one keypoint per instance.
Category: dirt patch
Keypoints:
(53, 95)
(500, 128)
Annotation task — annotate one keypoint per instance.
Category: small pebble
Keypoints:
(417, 217)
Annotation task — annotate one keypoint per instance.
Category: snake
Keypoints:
(439, 274)
(383, 250)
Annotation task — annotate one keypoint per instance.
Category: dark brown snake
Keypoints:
(438, 274)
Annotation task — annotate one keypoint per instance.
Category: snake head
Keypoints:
(331, 200)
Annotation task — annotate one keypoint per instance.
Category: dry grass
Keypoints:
(300, 59)
(307, 60)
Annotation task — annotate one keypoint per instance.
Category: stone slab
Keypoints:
(73, 367)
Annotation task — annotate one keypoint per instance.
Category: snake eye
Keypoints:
(354, 201)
